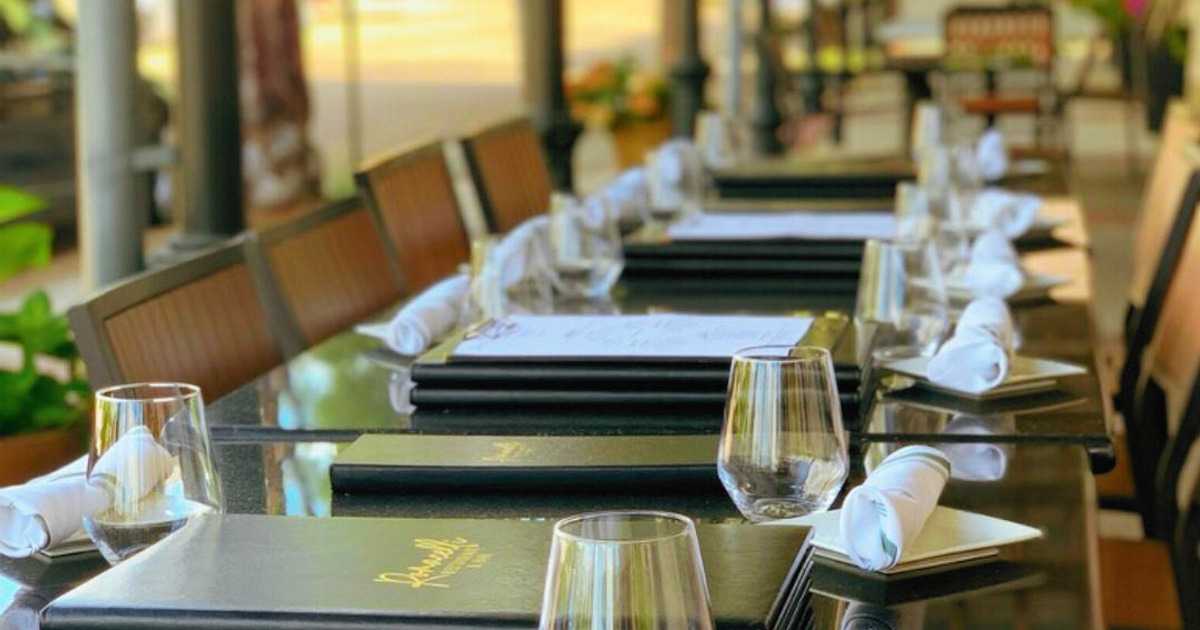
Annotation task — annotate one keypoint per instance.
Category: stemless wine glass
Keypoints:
(637, 569)
(783, 448)
(150, 468)
(902, 285)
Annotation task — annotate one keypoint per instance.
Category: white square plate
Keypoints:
(1026, 375)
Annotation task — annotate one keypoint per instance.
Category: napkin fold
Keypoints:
(1010, 213)
(991, 155)
(994, 269)
(426, 318)
(977, 357)
(978, 461)
(890, 508)
(624, 200)
(48, 510)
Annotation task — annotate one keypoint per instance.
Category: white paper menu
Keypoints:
(612, 336)
(747, 226)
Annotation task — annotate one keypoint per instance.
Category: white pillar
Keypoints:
(733, 78)
(112, 209)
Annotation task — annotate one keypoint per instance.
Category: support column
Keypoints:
(542, 49)
(209, 187)
(733, 82)
(688, 74)
(112, 204)
(767, 118)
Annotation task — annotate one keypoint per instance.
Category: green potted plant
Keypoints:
(43, 398)
(628, 101)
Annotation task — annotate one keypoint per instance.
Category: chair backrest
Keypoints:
(510, 172)
(1143, 323)
(1021, 34)
(1160, 202)
(1158, 421)
(204, 321)
(412, 196)
(331, 268)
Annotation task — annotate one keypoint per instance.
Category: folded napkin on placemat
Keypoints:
(994, 269)
(625, 200)
(399, 573)
(977, 357)
(1010, 213)
(428, 317)
(49, 510)
(991, 155)
(879, 517)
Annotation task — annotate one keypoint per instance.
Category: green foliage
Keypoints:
(30, 400)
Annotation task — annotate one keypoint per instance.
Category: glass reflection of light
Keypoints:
(9, 589)
(306, 490)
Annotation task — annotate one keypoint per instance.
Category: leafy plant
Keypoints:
(617, 94)
(31, 400)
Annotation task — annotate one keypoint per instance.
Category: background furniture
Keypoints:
(510, 173)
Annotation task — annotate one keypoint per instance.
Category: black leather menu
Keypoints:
(416, 463)
(237, 571)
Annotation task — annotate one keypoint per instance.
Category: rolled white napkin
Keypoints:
(524, 252)
(49, 510)
(623, 200)
(977, 357)
(425, 319)
(978, 461)
(1010, 213)
(994, 269)
(890, 508)
(991, 155)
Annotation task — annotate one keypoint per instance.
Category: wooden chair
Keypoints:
(331, 267)
(204, 321)
(1187, 551)
(996, 38)
(412, 196)
(510, 173)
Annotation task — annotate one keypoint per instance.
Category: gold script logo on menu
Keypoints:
(507, 451)
(443, 559)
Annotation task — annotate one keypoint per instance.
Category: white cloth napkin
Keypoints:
(978, 461)
(991, 155)
(977, 357)
(1010, 213)
(624, 200)
(890, 508)
(425, 319)
(994, 269)
(48, 510)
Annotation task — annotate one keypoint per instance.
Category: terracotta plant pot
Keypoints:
(27, 455)
(633, 140)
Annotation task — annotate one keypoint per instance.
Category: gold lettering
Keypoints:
(444, 557)
(507, 451)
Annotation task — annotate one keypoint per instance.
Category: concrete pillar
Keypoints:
(688, 74)
(113, 203)
(766, 119)
(209, 187)
(543, 57)
(733, 82)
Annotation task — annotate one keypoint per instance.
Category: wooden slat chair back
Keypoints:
(331, 268)
(204, 321)
(413, 198)
(1160, 203)
(510, 172)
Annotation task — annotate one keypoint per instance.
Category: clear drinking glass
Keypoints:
(586, 250)
(677, 181)
(629, 570)
(783, 448)
(902, 285)
(150, 468)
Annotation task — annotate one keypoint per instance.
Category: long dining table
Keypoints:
(275, 439)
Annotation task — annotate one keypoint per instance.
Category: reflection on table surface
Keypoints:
(1039, 584)
(349, 384)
